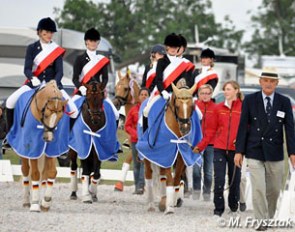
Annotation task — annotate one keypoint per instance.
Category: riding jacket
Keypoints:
(53, 72)
(226, 125)
(208, 130)
(80, 62)
(161, 66)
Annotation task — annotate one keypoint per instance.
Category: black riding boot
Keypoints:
(72, 122)
(144, 123)
(9, 118)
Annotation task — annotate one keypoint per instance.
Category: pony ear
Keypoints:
(120, 74)
(193, 89)
(175, 89)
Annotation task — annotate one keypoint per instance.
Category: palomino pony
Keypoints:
(87, 129)
(167, 142)
(44, 106)
(126, 94)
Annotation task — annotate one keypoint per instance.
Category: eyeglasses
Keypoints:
(205, 93)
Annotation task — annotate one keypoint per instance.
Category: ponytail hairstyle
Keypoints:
(236, 86)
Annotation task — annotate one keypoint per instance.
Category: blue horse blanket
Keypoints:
(160, 145)
(27, 141)
(104, 140)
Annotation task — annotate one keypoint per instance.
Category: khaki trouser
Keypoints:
(266, 179)
(243, 183)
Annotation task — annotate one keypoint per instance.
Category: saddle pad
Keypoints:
(27, 141)
(160, 145)
(105, 140)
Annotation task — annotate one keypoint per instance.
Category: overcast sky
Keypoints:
(27, 13)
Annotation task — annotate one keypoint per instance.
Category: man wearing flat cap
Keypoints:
(260, 138)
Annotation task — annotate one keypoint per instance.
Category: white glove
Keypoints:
(165, 94)
(35, 81)
(83, 90)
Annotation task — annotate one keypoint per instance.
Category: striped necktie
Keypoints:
(268, 108)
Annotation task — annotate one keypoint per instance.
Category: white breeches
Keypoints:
(73, 109)
(150, 103)
(12, 99)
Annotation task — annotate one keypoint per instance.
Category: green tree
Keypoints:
(133, 26)
(274, 32)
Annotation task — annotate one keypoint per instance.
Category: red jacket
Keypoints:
(131, 123)
(208, 127)
(226, 124)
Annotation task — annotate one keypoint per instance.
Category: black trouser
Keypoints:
(221, 158)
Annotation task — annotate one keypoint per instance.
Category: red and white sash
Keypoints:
(93, 67)
(46, 57)
(151, 75)
(190, 65)
(204, 77)
(172, 71)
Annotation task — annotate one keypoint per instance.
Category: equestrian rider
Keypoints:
(157, 52)
(190, 66)
(206, 75)
(43, 63)
(169, 69)
(91, 66)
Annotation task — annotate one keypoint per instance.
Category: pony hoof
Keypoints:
(162, 204)
(46, 203)
(119, 186)
(73, 196)
(179, 202)
(151, 209)
(44, 209)
(169, 210)
(35, 208)
(26, 205)
(87, 202)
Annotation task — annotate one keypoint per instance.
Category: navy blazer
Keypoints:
(260, 140)
(52, 72)
(80, 62)
(161, 66)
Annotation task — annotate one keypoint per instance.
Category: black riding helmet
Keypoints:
(92, 34)
(207, 53)
(172, 40)
(46, 24)
(183, 41)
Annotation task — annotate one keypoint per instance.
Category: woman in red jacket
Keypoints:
(131, 129)
(207, 107)
(226, 125)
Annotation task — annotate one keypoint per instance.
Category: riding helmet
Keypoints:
(207, 53)
(46, 24)
(172, 40)
(183, 41)
(92, 34)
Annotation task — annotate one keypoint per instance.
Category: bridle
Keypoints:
(123, 99)
(180, 120)
(48, 128)
(94, 92)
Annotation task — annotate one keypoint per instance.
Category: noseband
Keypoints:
(48, 128)
(92, 113)
(179, 119)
